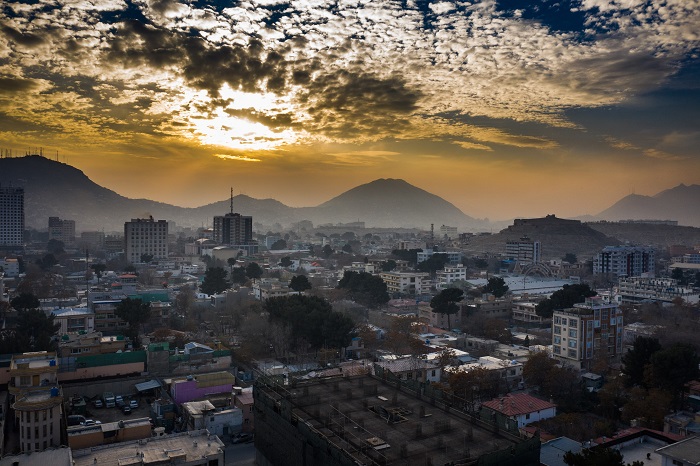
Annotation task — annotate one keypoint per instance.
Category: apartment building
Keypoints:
(525, 251)
(664, 290)
(37, 400)
(625, 261)
(11, 217)
(145, 237)
(62, 230)
(412, 283)
(449, 275)
(586, 331)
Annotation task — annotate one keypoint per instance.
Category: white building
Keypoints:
(62, 230)
(510, 371)
(74, 320)
(11, 267)
(412, 368)
(665, 290)
(145, 236)
(203, 415)
(448, 232)
(625, 261)
(11, 216)
(521, 408)
(524, 251)
(412, 283)
(453, 257)
(449, 275)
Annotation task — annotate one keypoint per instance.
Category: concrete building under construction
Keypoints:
(370, 420)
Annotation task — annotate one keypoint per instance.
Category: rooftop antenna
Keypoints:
(231, 200)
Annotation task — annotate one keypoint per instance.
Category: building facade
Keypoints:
(625, 261)
(587, 331)
(525, 251)
(449, 275)
(38, 400)
(233, 229)
(11, 217)
(412, 283)
(664, 290)
(62, 230)
(145, 237)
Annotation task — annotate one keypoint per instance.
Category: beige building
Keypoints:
(145, 236)
(62, 230)
(37, 400)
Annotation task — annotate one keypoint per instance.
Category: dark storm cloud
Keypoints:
(25, 39)
(13, 84)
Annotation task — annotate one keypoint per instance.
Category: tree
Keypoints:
(184, 300)
(570, 257)
(347, 248)
(55, 247)
(446, 302)
(214, 281)
(671, 368)
(648, 407)
(637, 358)
(327, 251)
(410, 255)
(99, 270)
(286, 261)
(677, 274)
(434, 263)
(238, 275)
(537, 368)
(597, 457)
(564, 298)
(134, 312)
(46, 262)
(25, 301)
(365, 288)
(496, 286)
(35, 331)
(253, 271)
(279, 245)
(300, 283)
(389, 265)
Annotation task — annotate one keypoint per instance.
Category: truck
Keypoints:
(108, 398)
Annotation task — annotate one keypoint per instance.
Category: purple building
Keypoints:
(197, 387)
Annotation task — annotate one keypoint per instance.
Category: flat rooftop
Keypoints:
(373, 421)
(189, 446)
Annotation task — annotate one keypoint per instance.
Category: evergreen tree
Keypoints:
(214, 281)
(446, 302)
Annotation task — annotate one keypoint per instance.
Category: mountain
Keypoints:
(390, 203)
(679, 203)
(57, 189)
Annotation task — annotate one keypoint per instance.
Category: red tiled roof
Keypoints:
(515, 404)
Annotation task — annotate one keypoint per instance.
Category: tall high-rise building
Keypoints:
(11, 217)
(145, 236)
(625, 261)
(62, 230)
(233, 229)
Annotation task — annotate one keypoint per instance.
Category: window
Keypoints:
(572, 333)
(557, 329)
(572, 343)
(563, 321)
(527, 416)
(557, 340)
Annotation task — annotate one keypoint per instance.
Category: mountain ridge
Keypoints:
(57, 189)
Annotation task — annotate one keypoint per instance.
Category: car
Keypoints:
(126, 409)
(133, 404)
(242, 437)
(89, 422)
(119, 400)
(98, 403)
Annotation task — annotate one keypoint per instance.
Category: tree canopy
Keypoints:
(446, 302)
(300, 283)
(597, 457)
(496, 286)
(253, 271)
(286, 261)
(564, 298)
(25, 301)
(238, 275)
(278, 245)
(409, 255)
(638, 357)
(364, 288)
(34, 331)
(134, 312)
(434, 263)
(214, 281)
(311, 319)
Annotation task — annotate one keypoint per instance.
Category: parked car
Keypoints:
(119, 400)
(133, 404)
(89, 422)
(98, 403)
(126, 409)
(242, 437)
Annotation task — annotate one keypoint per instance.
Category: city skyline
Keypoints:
(502, 108)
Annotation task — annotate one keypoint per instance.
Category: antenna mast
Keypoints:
(232, 200)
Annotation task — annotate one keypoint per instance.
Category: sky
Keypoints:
(507, 108)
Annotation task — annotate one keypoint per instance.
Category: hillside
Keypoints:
(558, 237)
(659, 236)
(679, 203)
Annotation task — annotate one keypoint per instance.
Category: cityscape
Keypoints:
(350, 233)
(553, 341)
